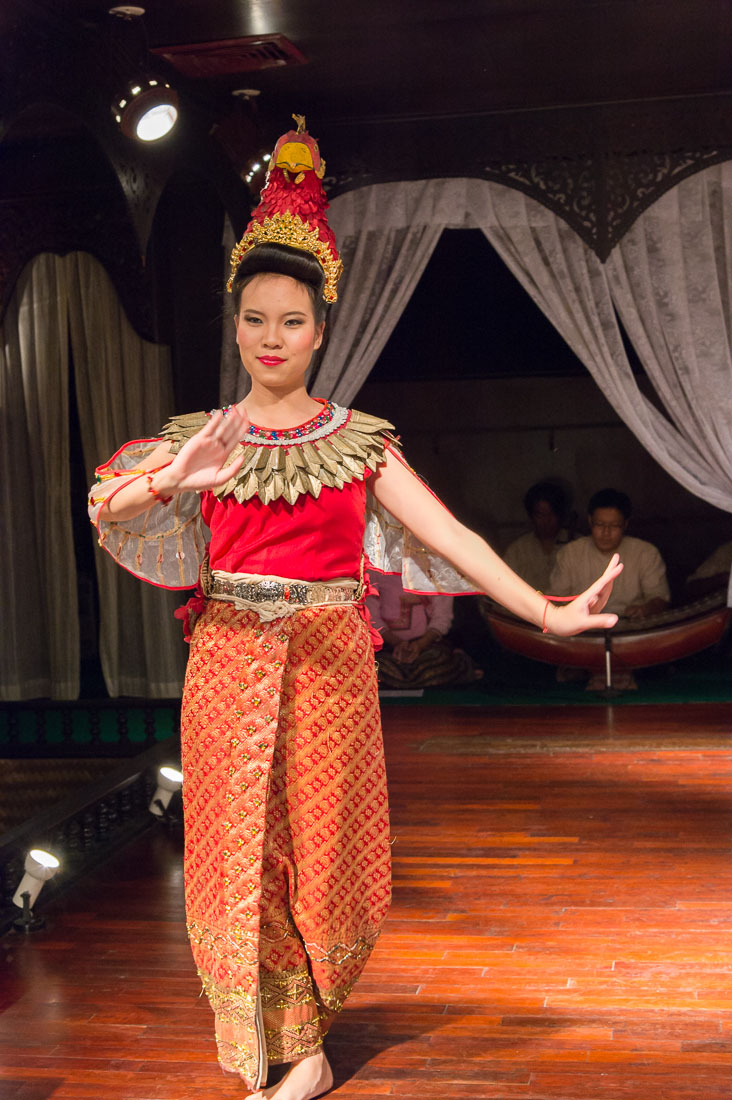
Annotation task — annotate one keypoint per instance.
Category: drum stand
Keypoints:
(609, 692)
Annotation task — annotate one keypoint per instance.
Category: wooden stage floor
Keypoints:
(561, 929)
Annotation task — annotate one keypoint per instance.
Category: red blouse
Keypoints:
(310, 540)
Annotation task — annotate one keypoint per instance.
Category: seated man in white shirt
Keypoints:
(641, 589)
(534, 555)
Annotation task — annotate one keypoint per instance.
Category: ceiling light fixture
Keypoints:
(146, 110)
(127, 11)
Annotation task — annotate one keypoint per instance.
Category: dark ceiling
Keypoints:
(387, 59)
(592, 107)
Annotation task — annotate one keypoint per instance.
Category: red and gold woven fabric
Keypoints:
(287, 857)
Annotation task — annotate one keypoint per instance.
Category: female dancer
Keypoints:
(287, 841)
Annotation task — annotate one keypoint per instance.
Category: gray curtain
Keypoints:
(124, 390)
(39, 640)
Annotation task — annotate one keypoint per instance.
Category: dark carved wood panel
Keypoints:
(632, 183)
(597, 168)
(81, 222)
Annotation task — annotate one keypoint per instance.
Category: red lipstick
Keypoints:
(270, 360)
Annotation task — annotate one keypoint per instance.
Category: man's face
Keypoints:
(607, 527)
(545, 520)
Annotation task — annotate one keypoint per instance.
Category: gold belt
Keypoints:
(273, 597)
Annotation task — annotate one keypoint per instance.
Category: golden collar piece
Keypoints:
(333, 449)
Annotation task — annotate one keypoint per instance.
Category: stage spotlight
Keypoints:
(170, 780)
(256, 170)
(147, 110)
(39, 867)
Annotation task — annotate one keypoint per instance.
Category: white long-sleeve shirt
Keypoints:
(580, 563)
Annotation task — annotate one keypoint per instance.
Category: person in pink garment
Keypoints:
(414, 629)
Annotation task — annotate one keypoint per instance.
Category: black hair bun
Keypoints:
(280, 259)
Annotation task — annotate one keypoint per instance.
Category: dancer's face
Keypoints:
(276, 332)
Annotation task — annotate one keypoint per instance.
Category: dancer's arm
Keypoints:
(197, 466)
(401, 492)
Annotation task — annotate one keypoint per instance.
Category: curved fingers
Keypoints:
(599, 591)
(227, 472)
(585, 612)
(214, 442)
(199, 464)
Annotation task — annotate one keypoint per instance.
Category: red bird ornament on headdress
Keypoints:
(292, 206)
(296, 151)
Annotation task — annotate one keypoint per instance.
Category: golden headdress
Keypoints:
(292, 207)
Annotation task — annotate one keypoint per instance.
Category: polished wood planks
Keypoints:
(560, 929)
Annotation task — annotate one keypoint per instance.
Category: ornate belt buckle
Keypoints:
(269, 590)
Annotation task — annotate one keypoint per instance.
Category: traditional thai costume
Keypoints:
(287, 870)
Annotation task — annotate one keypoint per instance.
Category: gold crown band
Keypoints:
(290, 229)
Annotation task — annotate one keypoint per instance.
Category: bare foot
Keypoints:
(303, 1081)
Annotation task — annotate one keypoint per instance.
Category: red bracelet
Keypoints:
(158, 496)
(552, 599)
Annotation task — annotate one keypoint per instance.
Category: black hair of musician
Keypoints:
(610, 498)
(554, 496)
(281, 259)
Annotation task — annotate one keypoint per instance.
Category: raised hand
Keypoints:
(584, 612)
(199, 464)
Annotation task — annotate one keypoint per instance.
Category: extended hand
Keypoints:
(583, 613)
(199, 463)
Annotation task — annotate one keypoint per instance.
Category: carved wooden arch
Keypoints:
(92, 218)
(601, 197)
(598, 193)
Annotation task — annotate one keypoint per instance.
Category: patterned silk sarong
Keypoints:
(287, 859)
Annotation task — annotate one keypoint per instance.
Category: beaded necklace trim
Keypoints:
(334, 448)
(332, 417)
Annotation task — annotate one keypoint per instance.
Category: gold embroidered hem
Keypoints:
(237, 1058)
(287, 857)
(294, 1023)
(236, 1028)
(331, 451)
(290, 1044)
